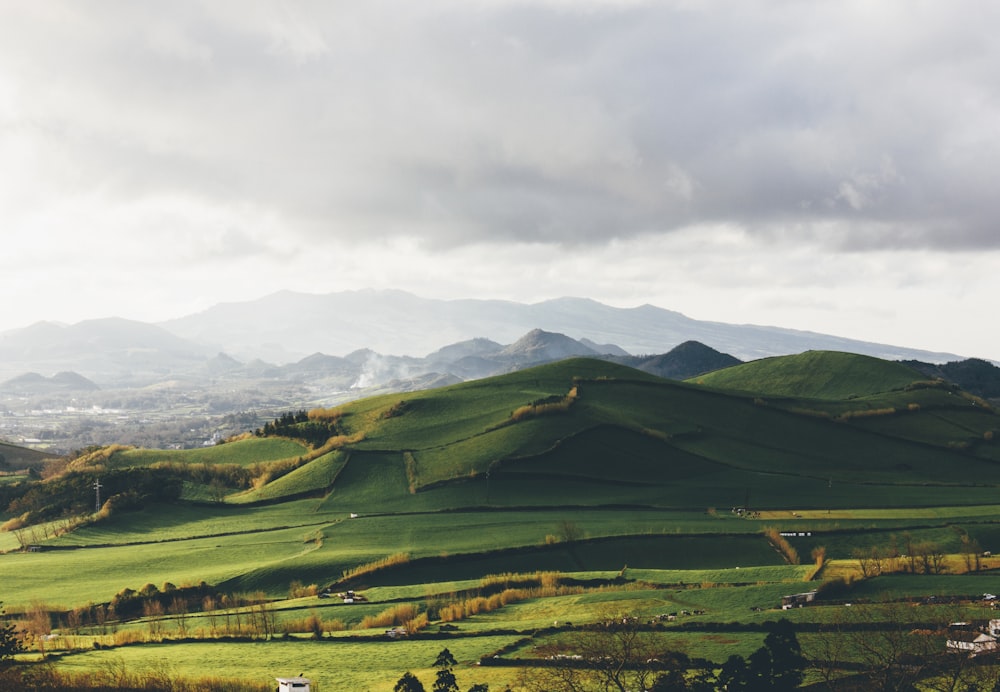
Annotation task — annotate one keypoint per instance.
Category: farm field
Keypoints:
(511, 516)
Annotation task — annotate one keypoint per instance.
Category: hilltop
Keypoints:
(659, 443)
(814, 374)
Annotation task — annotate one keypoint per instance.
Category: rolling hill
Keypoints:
(814, 374)
(609, 434)
(622, 488)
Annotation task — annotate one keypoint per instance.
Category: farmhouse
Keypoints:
(797, 600)
(972, 642)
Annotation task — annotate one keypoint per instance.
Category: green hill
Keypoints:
(814, 374)
(617, 484)
(586, 432)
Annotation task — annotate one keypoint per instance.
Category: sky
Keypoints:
(826, 166)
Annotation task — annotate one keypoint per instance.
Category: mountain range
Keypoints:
(390, 334)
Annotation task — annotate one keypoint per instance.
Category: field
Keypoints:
(596, 489)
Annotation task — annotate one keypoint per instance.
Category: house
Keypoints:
(797, 600)
(972, 642)
(299, 684)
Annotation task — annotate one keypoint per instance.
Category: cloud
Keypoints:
(543, 122)
(430, 140)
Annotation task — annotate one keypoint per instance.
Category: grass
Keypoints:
(75, 577)
(315, 477)
(333, 664)
(635, 478)
(241, 453)
(815, 374)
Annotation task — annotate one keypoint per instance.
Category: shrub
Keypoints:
(377, 565)
(781, 544)
(391, 617)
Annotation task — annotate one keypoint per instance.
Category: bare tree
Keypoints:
(618, 653)
(889, 640)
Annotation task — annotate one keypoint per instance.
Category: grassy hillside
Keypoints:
(623, 483)
(607, 434)
(241, 453)
(814, 374)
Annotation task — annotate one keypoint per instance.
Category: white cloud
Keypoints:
(627, 151)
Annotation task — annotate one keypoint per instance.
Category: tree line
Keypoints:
(312, 427)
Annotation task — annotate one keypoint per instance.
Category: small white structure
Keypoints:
(298, 684)
(970, 642)
(797, 600)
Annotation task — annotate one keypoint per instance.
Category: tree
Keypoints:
(408, 683)
(887, 639)
(784, 656)
(10, 641)
(777, 665)
(444, 680)
(569, 531)
(672, 678)
(734, 675)
(616, 654)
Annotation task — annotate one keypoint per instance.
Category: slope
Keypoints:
(587, 432)
(814, 374)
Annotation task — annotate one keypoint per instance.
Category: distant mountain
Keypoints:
(286, 326)
(32, 383)
(109, 351)
(684, 361)
(355, 339)
(538, 346)
(473, 348)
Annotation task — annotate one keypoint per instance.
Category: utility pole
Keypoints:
(97, 489)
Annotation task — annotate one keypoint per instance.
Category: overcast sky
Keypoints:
(823, 165)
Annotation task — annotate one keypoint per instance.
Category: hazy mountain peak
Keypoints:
(539, 344)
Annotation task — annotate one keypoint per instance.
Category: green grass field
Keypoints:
(620, 482)
(240, 453)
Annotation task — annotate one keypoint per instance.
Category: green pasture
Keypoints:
(631, 439)
(315, 476)
(66, 578)
(714, 646)
(335, 664)
(241, 453)
(270, 546)
(305, 541)
(816, 374)
(469, 545)
(457, 412)
(905, 586)
(157, 523)
(626, 493)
